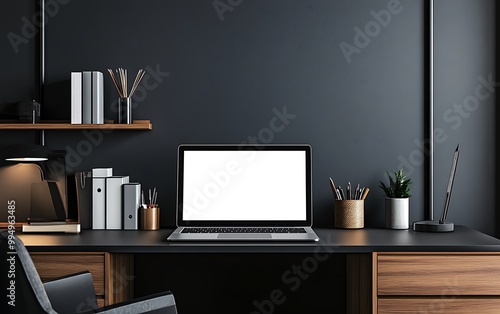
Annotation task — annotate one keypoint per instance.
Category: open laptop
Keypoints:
(244, 193)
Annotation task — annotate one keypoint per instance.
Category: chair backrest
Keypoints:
(26, 293)
(74, 293)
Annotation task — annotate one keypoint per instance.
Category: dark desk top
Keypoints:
(462, 239)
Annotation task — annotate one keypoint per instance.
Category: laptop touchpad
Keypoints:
(244, 236)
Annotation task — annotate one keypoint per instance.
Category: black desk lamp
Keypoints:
(25, 153)
(46, 201)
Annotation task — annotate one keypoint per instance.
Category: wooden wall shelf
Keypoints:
(64, 125)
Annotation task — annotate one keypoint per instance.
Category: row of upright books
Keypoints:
(87, 97)
(106, 201)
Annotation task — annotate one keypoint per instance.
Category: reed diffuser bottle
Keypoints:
(120, 80)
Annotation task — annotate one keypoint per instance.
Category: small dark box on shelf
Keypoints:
(25, 111)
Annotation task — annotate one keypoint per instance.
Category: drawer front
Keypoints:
(438, 274)
(54, 265)
(438, 305)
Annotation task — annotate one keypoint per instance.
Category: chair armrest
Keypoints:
(72, 294)
(163, 302)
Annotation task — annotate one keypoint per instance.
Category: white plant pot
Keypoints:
(397, 213)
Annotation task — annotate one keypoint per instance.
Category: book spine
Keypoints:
(98, 203)
(114, 216)
(131, 204)
(76, 97)
(87, 97)
(97, 98)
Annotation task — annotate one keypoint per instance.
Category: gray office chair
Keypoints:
(71, 294)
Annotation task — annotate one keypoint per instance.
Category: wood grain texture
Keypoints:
(119, 278)
(136, 125)
(100, 302)
(374, 282)
(438, 274)
(55, 265)
(438, 305)
(359, 283)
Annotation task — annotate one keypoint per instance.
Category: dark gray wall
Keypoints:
(229, 73)
(465, 58)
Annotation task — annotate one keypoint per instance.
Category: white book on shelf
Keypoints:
(76, 97)
(114, 212)
(97, 97)
(87, 97)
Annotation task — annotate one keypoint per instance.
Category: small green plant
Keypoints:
(399, 186)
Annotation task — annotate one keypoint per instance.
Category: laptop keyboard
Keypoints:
(243, 230)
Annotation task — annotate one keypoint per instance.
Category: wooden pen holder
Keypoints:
(349, 214)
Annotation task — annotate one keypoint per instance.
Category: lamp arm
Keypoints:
(41, 172)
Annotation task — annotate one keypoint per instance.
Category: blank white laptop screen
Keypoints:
(237, 192)
(244, 185)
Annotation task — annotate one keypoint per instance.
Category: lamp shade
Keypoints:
(24, 153)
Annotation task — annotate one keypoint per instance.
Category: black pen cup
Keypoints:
(349, 214)
(125, 110)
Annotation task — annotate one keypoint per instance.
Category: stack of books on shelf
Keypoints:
(87, 97)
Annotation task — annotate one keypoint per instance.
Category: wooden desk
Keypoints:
(436, 282)
(387, 271)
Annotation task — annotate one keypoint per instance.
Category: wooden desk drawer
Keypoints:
(438, 305)
(450, 274)
(54, 265)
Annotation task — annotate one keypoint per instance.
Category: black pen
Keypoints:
(450, 185)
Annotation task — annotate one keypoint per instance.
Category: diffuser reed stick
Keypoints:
(120, 80)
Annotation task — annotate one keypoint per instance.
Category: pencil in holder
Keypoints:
(349, 214)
